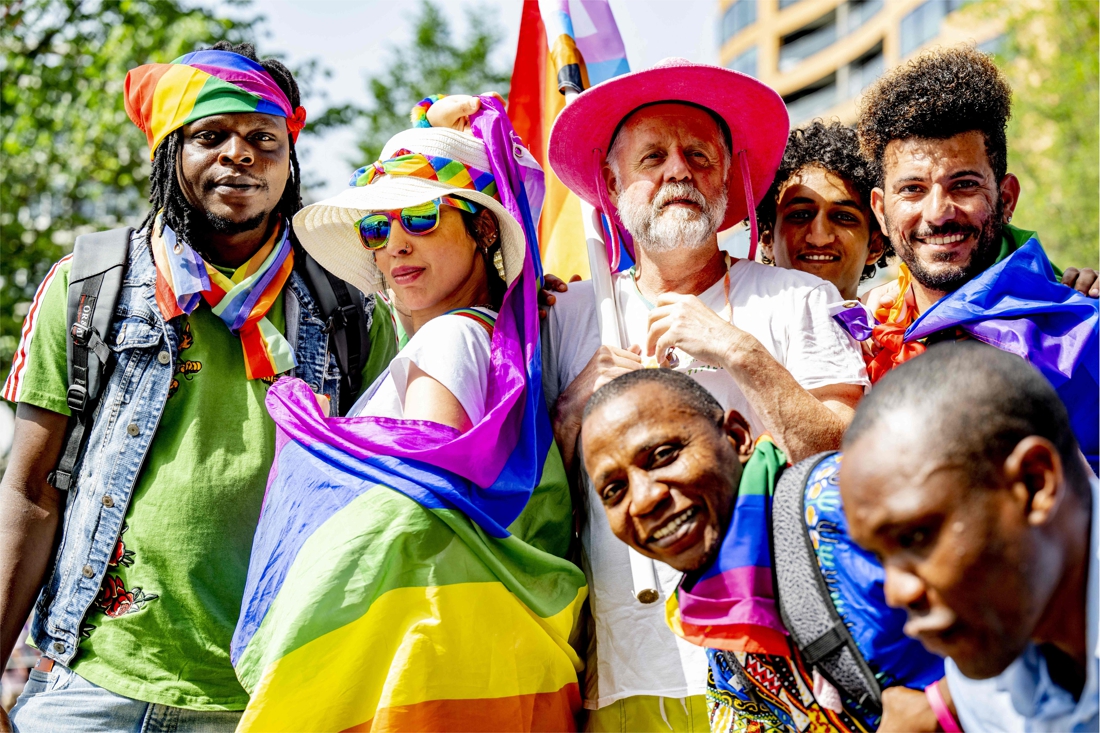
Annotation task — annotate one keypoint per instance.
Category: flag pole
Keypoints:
(572, 78)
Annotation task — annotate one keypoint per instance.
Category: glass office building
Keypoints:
(821, 54)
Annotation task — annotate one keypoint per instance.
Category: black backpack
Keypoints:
(95, 283)
(803, 598)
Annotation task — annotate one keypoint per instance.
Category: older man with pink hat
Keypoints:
(673, 155)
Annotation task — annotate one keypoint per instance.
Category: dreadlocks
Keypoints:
(165, 193)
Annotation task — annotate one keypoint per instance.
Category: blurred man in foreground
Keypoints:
(985, 519)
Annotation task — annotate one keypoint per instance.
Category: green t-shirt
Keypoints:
(160, 629)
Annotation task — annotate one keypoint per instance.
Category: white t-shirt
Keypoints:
(788, 312)
(452, 349)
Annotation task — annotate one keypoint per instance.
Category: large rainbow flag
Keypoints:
(408, 577)
(586, 36)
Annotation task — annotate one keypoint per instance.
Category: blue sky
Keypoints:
(351, 38)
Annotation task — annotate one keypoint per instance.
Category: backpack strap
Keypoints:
(805, 604)
(347, 322)
(95, 282)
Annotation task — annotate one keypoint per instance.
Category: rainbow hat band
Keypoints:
(161, 98)
(431, 167)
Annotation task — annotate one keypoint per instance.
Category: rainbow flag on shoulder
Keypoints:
(406, 577)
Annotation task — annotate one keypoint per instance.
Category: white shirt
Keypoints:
(452, 349)
(788, 312)
(1024, 697)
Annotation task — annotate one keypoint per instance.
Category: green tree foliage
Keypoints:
(72, 161)
(1051, 57)
(434, 63)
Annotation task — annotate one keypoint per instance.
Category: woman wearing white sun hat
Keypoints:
(419, 548)
(445, 246)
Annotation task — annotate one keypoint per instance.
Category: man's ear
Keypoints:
(612, 183)
(1035, 474)
(878, 208)
(1010, 195)
(875, 247)
(739, 434)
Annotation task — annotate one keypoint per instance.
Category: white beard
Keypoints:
(657, 229)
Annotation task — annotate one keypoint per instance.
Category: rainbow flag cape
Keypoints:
(405, 576)
(585, 31)
(731, 604)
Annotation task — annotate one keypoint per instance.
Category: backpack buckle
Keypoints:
(341, 317)
(81, 334)
(77, 398)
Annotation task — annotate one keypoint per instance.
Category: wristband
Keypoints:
(419, 114)
(939, 707)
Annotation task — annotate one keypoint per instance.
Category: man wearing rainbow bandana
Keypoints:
(136, 616)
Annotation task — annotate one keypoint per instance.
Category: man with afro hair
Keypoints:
(134, 557)
(934, 130)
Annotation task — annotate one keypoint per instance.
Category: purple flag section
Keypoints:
(1019, 306)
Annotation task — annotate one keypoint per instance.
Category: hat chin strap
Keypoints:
(613, 244)
(746, 186)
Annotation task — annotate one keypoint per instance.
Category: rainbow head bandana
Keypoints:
(241, 300)
(161, 98)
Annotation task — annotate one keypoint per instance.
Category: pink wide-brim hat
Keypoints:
(755, 113)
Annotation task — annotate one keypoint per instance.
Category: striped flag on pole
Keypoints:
(586, 35)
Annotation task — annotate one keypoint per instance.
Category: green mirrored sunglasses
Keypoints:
(420, 219)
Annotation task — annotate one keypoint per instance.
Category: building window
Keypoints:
(863, 71)
(745, 62)
(806, 41)
(859, 12)
(922, 24)
(812, 100)
(738, 16)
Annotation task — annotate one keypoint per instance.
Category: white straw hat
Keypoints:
(327, 229)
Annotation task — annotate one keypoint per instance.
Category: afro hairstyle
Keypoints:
(938, 95)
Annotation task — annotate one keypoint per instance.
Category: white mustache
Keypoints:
(674, 191)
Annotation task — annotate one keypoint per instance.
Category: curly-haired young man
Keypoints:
(935, 131)
(136, 609)
(816, 216)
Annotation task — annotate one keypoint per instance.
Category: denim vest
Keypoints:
(123, 426)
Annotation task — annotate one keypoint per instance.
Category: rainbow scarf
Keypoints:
(405, 576)
(241, 300)
(161, 98)
(430, 167)
(731, 604)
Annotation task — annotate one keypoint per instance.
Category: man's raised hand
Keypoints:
(683, 322)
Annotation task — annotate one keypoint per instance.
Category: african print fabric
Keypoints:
(757, 684)
(242, 300)
(768, 693)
